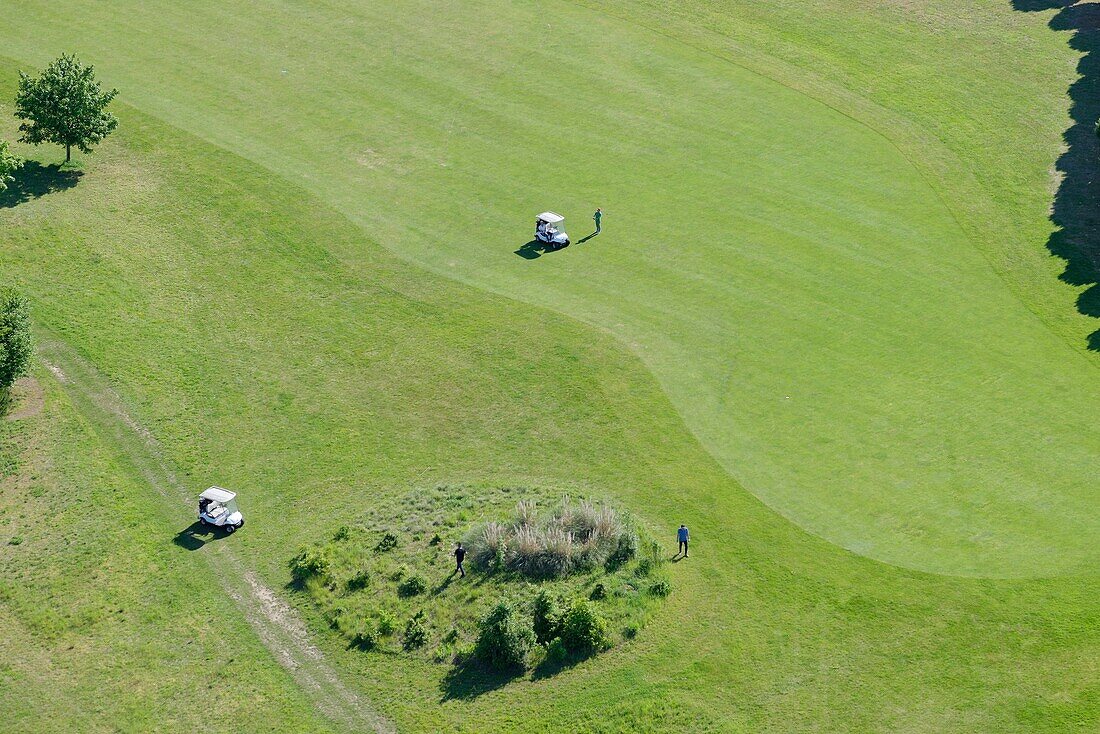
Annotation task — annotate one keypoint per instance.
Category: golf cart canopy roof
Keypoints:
(217, 494)
(551, 217)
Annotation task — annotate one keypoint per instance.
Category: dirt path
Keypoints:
(275, 622)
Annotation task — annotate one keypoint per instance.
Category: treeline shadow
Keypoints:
(1076, 210)
(34, 180)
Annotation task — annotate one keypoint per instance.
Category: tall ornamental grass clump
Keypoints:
(570, 537)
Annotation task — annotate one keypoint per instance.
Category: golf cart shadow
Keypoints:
(535, 248)
(196, 535)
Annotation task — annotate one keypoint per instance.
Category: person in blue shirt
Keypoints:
(682, 536)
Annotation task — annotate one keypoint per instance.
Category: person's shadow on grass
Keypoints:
(34, 180)
(582, 240)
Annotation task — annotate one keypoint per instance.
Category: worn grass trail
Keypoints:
(273, 620)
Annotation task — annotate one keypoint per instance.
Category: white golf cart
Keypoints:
(218, 508)
(549, 229)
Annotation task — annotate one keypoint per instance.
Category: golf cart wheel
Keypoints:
(202, 521)
(240, 524)
(230, 528)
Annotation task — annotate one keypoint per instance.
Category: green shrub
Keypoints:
(343, 533)
(546, 617)
(505, 636)
(556, 654)
(626, 548)
(599, 591)
(444, 653)
(416, 633)
(366, 637)
(413, 585)
(436, 540)
(386, 623)
(309, 562)
(362, 631)
(359, 580)
(660, 588)
(387, 543)
(583, 630)
(630, 631)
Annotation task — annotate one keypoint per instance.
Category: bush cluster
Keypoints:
(571, 537)
(416, 632)
(660, 588)
(583, 630)
(574, 630)
(359, 580)
(413, 585)
(505, 636)
(309, 562)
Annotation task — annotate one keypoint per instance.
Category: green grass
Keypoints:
(802, 293)
(808, 319)
(107, 627)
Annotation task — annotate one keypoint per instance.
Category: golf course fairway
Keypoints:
(820, 330)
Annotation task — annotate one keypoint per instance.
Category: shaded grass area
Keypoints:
(275, 351)
(34, 180)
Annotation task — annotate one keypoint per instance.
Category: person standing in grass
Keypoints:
(460, 555)
(596, 218)
(682, 536)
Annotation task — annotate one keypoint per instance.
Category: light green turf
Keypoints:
(802, 294)
(250, 312)
(106, 626)
(267, 353)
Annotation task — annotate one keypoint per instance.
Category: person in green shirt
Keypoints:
(597, 217)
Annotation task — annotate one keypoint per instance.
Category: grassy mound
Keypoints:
(396, 588)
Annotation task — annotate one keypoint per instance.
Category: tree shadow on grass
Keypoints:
(469, 679)
(551, 665)
(196, 535)
(34, 180)
(1076, 210)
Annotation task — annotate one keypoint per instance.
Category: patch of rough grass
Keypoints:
(396, 563)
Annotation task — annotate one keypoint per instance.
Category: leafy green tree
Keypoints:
(16, 344)
(9, 164)
(64, 106)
